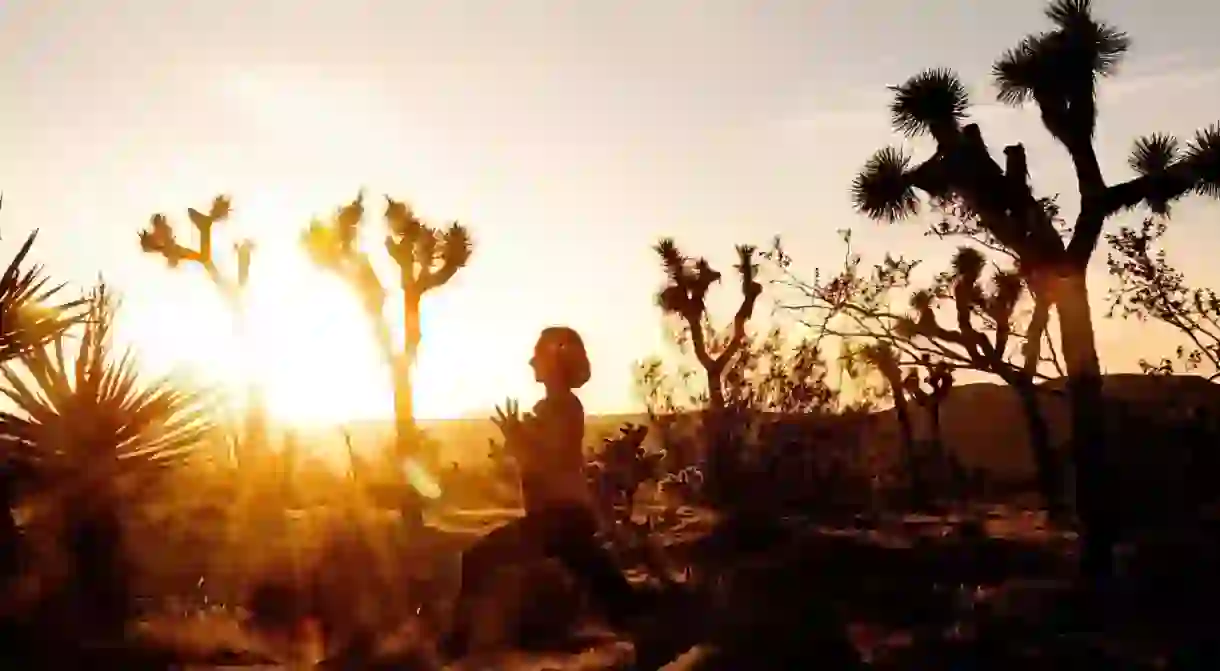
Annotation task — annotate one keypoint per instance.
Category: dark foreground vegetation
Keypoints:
(774, 517)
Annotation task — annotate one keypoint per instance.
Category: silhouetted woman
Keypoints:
(559, 516)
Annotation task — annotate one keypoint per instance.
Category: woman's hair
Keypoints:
(560, 349)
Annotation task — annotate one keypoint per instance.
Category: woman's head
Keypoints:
(560, 359)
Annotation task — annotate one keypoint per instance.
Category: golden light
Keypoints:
(306, 346)
(419, 478)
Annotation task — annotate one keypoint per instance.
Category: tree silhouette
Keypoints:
(938, 376)
(685, 295)
(31, 315)
(856, 306)
(1058, 70)
(426, 257)
(159, 239)
(881, 356)
(1149, 287)
(96, 435)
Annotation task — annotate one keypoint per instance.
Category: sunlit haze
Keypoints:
(567, 136)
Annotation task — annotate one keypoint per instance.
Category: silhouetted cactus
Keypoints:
(427, 258)
(685, 295)
(880, 356)
(621, 467)
(987, 349)
(97, 434)
(1059, 71)
(938, 376)
(159, 238)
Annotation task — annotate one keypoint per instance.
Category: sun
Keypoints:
(305, 343)
(310, 349)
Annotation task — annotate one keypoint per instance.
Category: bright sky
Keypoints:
(568, 136)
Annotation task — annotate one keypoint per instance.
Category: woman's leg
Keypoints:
(570, 535)
(511, 543)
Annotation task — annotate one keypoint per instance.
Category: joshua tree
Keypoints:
(685, 295)
(938, 376)
(882, 357)
(96, 434)
(1057, 70)
(159, 239)
(855, 307)
(427, 258)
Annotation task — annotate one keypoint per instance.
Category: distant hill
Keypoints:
(984, 425)
(982, 422)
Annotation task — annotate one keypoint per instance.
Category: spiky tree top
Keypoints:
(685, 295)
(428, 257)
(159, 238)
(93, 414)
(995, 305)
(30, 314)
(938, 376)
(333, 246)
(1058, 70)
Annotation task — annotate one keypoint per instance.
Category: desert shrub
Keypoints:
(784, 430)
(618, 470)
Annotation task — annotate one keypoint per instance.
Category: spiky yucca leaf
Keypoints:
(935, 98)
(746, 266)
(322, 244)
(1202, 155)
(1153, 154)
(30, 316)
(672, 259)
(968, 263)
(883, 190)
(1066, 61)
(456, 245)
(93, 415)
(1018, 72)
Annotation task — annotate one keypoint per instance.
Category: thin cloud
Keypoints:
(861, 108)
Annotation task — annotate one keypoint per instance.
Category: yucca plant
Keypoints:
(31, 314)
(31, 310)
(95, 433)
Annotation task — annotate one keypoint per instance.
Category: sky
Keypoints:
(569, 137)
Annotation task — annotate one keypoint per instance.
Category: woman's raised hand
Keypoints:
(513, 425)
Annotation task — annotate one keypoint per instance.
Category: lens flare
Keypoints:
(419, 478)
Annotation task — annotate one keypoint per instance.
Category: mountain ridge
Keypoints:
(982, 422)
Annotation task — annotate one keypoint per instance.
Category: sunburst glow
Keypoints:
(304, 343)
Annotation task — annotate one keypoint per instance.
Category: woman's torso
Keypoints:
(552, 469)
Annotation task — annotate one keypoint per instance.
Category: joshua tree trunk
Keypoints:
(1046, 461)
(947, 472)
(1093, 506)
(404, 399)
(919, 493)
